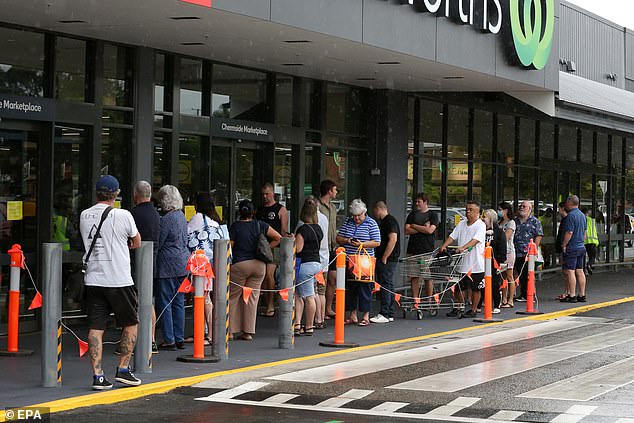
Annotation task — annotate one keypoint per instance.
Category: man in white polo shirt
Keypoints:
(470, 235)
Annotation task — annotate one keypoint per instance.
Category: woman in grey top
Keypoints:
(171, 265)
(507, 224)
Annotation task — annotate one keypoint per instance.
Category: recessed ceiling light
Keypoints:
(453, 77)
(292, 64)
(366, 79)
(388, 63)
(297, 41)
(71, 21)
(184, 18)
(195, 43)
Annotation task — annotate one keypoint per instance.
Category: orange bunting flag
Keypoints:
(377, 287)
(397, 298)
(246, 293)
(453, 288)
(37, 301)
(469, 275)
(437, 298)
(83, 347)
(186, 287)
(417, 300)
(505, 283)
(319, 277)
(284, 294)
(495, 264)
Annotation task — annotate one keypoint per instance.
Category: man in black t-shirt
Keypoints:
(387, 255)
(421, 225)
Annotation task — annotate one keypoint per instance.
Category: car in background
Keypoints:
(454, 215)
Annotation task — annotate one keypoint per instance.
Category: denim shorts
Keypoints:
(305, 281)
(574, 259)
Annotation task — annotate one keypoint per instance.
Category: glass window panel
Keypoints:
(21, 62)
(568, 143)
(159, 83)
(311, 184)
(118, 74)
(345, 110)
(602, 152)
(547, 140)
(346, 168)
(411, 101)
(282, 174)
(283, 100)
(221, 179)
(191, 90)
(431, 117)
(586, 188)
(482, 183)
(458, 132)
(549, 210)
(191, 166)
(527, 181)
(457, 177)
(505, 182)
(115, 159)
(482, 136)
(70, 69)
(629, 156)
(617, 155)
(527, 142)
(506, 140)
(587, 141)
(239, 93)
(432, 180)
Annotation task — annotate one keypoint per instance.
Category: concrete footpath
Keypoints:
(20, 377)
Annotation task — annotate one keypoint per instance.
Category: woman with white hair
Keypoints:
(359, 230)
(171, 265)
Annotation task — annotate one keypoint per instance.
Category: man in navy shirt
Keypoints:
(574, 250)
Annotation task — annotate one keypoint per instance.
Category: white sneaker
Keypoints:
(391, 319)
(379, 318)
(496, 311)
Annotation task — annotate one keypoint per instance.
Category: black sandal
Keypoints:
(308, 331)
(298, 330)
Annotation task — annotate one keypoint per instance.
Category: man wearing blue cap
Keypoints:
(108, 234)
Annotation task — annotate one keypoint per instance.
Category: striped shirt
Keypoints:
(368, 230)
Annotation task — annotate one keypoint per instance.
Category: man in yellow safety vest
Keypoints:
(591, 240)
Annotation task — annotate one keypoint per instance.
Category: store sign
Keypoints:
(531, 22)
(16, 107)
(229, 128)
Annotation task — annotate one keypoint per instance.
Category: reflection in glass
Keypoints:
(221, 179)
(238, 94)
(345, 108)
(191, 87)
(548, 212)
(283, 174)
(160, 160)
(458, 132)
(21, 62)
(506, 140)
(159, 82)
(191, 167)
(283, 100)
(431, 117)
(567, 144)
(546, 142)
(527, 142)
(115, 158)
(70, 69)
(118, 75)
(482, 136)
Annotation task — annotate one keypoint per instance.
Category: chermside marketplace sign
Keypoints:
(531, 23)
(31, 108)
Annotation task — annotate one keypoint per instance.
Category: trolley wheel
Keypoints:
(433, 312)
(460, 314)
(419, 315)
(404, 314)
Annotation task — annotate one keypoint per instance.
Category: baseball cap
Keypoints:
(107, 183)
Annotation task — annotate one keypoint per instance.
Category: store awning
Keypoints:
(595, 96)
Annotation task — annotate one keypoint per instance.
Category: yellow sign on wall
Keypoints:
(14, 210)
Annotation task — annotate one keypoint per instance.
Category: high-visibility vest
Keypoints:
(591, 232)
(59, 231)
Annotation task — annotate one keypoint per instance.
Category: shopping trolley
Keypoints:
(443, 269)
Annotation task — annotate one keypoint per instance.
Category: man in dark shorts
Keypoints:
(108, 280)
(574, 251)
(421, 226)
(276, 216)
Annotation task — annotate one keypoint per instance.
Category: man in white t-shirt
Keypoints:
(108, 280)
(470, 236)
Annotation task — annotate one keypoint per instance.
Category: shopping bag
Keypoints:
(362, 265)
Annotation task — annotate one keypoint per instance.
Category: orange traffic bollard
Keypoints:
(17, 263)
(340, 307)
(488, 287)
(200, 268)
(530, 287)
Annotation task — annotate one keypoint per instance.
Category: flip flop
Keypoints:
(363, 323)
(506, 305)
(350, 322)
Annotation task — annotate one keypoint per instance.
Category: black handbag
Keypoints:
(263, 250)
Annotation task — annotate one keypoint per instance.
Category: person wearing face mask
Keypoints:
(528, 227)
(496, 238)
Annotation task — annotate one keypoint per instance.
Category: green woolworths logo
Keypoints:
(534, 40)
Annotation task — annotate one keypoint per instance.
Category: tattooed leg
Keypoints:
(128, 340)
(95, 350)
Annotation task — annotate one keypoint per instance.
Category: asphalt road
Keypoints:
(572, 369)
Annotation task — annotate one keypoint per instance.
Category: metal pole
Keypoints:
(221, 266)
(143, 276)
(51, 315)
(287, 278)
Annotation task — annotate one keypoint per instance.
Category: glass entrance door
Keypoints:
(18, 212)
(236, 174)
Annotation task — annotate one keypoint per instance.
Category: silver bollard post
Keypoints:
(287, 280)
(143, 277)
(220, 333)
(52, 315)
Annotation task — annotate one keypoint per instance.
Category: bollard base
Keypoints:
(483, 320)
(529, 312)
(344, 345)
(19, 353)
(192, 359)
